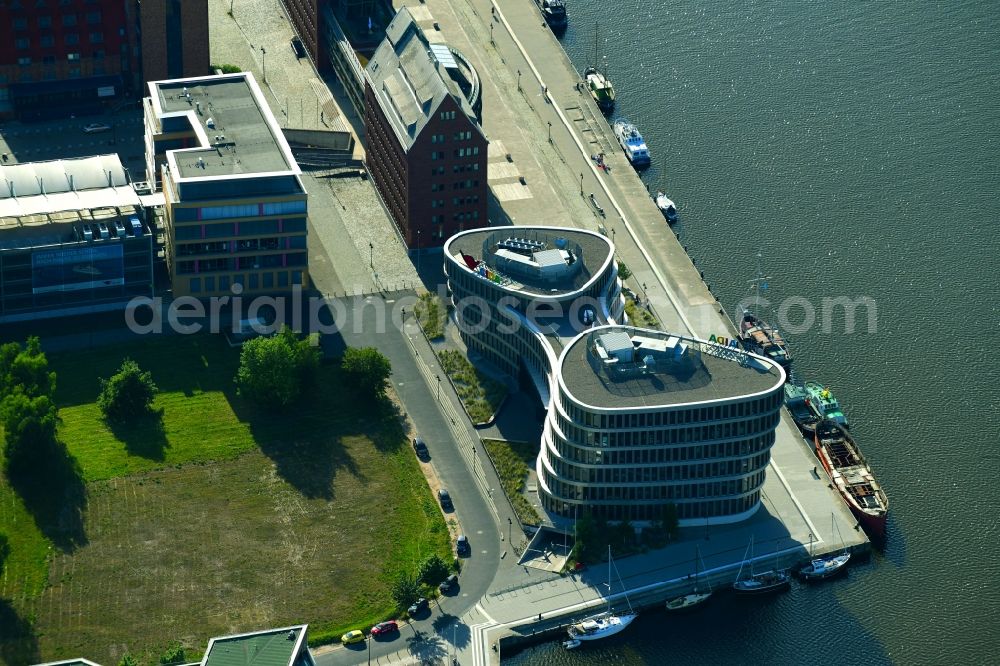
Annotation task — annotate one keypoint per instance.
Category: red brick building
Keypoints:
(426, 148)
(174, 39)
(65, 56)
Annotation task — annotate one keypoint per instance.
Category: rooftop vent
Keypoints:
(201, 163)
(210, 123)
(291, 635)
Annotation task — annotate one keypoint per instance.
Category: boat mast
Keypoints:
(609, 578)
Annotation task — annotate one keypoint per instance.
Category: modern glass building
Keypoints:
(636, 419)
(235, 205)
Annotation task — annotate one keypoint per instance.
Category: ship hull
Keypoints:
(856, 478)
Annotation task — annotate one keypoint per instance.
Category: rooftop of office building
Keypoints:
(539, 261)
(237, 133)
(411, 76)
(621, 367)
(275, 647)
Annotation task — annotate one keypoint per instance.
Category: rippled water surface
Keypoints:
(855, 146)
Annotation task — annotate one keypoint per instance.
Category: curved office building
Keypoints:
(521, 293)
(642, 419)
(636, 419)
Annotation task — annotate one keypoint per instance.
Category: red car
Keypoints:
(383, 628)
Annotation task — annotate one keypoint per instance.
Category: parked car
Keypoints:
(417, 606)
(300, 50)
(383, 628)
(421, 448)
(449, 584)
(445, 500)
(94, 128)
(462, 546)
(353, 636)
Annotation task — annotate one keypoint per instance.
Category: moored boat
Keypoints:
(598, 83)
(554, 13)
(764, 582)
(821, 568)
(694, 597)
(666, 207)
(852, 476)
(797, 402)
(761, 338)
(603, 624)
(821, 401)
(631, 142)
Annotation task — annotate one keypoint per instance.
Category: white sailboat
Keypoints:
(760, 583)
(827, 566)
(603, 624)
(694, 597)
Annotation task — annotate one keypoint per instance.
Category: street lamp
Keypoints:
(581, 183)
(519, 80)
(491, 35)
(371, 255)
(418, 252)
(550, 130)
(369, 650)
(510, 526)
(263, 67)
(438, 377)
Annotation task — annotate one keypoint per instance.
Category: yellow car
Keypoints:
(355, 636)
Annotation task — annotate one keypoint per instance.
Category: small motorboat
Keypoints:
(822, 568)
(571, 644)
(666, 207)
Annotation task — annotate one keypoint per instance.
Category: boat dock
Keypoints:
(544, 129)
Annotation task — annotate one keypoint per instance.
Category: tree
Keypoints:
(273, 370)
(174, 654)
(26, 367)
(29, 425)
(624, 272)
(127, 394)
(405, 590)
(368, 368)
(432, 570)
(4, 550)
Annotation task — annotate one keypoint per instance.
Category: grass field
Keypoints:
(217, 518)
(512, 461)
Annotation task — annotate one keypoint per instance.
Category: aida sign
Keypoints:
(724, 341)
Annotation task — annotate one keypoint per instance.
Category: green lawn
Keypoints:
(220, 517)
(512, 461)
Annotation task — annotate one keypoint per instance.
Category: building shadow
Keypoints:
(143, 435)
(52, 489)
(18, 643)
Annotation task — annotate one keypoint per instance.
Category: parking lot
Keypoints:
(66, 138)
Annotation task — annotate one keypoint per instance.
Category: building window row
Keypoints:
(650, 473)
(664, 454)
(654, 511)
(466, 152)
(664, 435)
(711, 490)
(252, 281)
(754, 407)
(447, 115)
(462, 168)
(229, 264)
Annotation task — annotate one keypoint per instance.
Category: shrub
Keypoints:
(405, 590)
(174, 654)
(127, 394)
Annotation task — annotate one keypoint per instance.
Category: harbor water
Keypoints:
(855, 147)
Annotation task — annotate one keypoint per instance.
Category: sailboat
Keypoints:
(757, 335)
(828, 566)
(694, 597)
(760, 583)
(603, 624)
(598, 83)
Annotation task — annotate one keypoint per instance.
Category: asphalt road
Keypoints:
(430, 636)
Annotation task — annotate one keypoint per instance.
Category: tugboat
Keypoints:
(760, 337)
(603, 624)
(852, 476)
(632, 143)
(666, 207)
(598, 83)
(554, 12)
(823, 404)
(760, 583)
